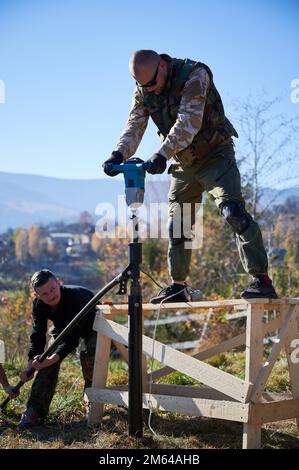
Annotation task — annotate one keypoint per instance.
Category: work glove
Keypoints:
(11, 391)
(156, 164)
(116, 158)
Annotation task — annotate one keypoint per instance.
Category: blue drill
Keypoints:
(134, 173)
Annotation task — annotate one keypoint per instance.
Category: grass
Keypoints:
(66, 426)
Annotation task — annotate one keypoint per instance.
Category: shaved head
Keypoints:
(144, 59)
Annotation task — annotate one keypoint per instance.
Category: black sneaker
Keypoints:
(260, 287)
(29, 418)
(172, 293)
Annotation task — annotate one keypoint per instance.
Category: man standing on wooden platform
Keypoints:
(182, 100)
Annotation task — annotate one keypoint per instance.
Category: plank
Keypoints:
(268, 303)
(289, 323)
(123, 308)
(227, 410)
(100, 372)
(182, 391)
(225, 346)
(254, 357)
(176, 319)
(276, 396)
(274, 411)
(222, 381)
(206, 354)
(291, 345)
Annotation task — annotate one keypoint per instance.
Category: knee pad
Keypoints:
(236, 216)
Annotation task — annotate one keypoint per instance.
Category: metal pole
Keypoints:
(135, 337)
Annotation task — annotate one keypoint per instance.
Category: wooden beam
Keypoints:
(225, 346)
(177, 319)
(100, 372)
(206, 354)
(192, 406)
(221, 381)
(260, 413)
(182, 391)
(276, 396)
(254, 342)
(254, 357)
(268, 304)
(292, 343)
(289, 323)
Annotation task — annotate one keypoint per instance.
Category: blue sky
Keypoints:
(65, 69)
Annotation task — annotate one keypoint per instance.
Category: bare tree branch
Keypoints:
(268, 146)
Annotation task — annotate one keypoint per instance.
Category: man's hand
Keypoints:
(46, 363)
(23, 376)
(117, 158)
(10, 390)
(156, 164)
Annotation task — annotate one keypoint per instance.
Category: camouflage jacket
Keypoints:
(188, 114)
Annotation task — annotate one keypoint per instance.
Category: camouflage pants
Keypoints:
(44, 384)
(220, 177)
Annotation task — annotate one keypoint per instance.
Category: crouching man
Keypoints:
(60, 304)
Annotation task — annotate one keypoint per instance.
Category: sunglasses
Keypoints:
(152, 82)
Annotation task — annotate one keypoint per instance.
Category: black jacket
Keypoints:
(73, 299)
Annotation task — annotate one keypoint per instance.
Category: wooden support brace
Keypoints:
(222, 381)
(100, 372)
(289, 323)
(229, 410)
(226, 397)
(292, 352)
(254, 356)
(280, 410)
(225, 346)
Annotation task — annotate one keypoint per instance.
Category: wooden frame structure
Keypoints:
(224, 396)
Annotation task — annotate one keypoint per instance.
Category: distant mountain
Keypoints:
(276, 197)
(33, 199)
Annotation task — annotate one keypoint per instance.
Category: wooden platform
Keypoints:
(225, 396)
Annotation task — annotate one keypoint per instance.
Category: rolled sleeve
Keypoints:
(135, 128)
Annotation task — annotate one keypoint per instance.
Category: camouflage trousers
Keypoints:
(44, 384)
(220, 177)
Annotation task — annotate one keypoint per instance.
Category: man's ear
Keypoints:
(59, 281)
(163, 64)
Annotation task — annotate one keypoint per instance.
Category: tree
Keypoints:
(34, 242)
(21, 245)
(267, 148)
(96, 243)
(85, 218)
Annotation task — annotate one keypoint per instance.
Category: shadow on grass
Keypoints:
(172, 431)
